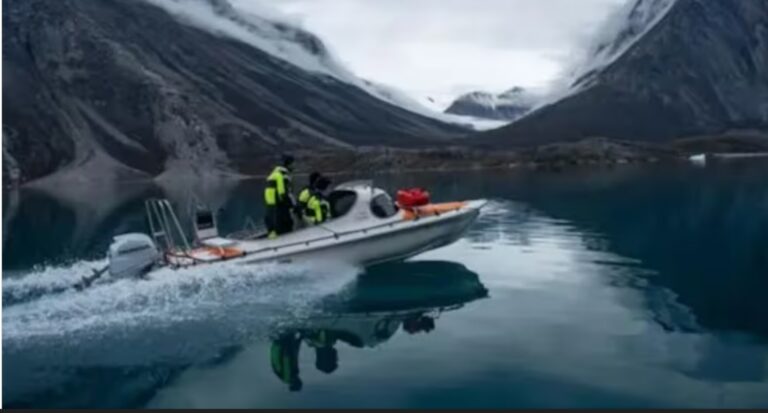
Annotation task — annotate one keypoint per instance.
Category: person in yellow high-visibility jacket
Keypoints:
(306, 193)
(318, 209)
(278, 198)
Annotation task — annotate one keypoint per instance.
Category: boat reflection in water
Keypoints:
(386, 299)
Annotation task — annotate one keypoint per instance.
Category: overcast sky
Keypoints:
(442, 48)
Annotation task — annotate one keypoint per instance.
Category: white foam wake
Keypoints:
(45, 280)
(223, 292)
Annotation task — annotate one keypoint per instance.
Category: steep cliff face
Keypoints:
(700, 69)
(125, 88)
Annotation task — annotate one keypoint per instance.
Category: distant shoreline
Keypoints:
(371, 160)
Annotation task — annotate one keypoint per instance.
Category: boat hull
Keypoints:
(387, 246)
(357, 239)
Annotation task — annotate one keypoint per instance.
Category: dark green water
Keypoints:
(587, 288)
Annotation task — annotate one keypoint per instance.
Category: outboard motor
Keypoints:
(132, 255)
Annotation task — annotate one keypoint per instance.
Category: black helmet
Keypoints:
(326, 359)
(287, 160)
(322, 183)
(313, 177)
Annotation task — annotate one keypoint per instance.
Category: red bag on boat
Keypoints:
(412, 197)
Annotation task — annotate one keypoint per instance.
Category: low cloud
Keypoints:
(442, 48)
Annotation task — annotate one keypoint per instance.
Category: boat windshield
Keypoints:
(382, 206)
(341, 202)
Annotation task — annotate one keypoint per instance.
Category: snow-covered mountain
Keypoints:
(283, 40)
(272, 33)
(129, 88)
(660, 70)
(507, 106)
(620, 32)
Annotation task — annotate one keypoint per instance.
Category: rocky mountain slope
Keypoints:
(509, 105)
(674, 68)
(136, 88)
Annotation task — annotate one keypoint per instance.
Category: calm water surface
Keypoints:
(587, 288)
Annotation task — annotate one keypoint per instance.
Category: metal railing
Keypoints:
(164, 226)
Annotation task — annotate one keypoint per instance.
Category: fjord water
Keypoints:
(625, 287)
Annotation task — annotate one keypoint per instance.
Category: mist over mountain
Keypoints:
(666, 69)
(127, 89)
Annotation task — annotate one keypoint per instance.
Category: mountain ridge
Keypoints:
(122, 89)
(701, 70)
(508, 106)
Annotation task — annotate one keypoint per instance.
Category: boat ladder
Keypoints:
(164, 226)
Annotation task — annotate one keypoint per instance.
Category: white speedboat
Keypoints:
(366, 227)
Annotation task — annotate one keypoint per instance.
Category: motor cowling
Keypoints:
(132, 255)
